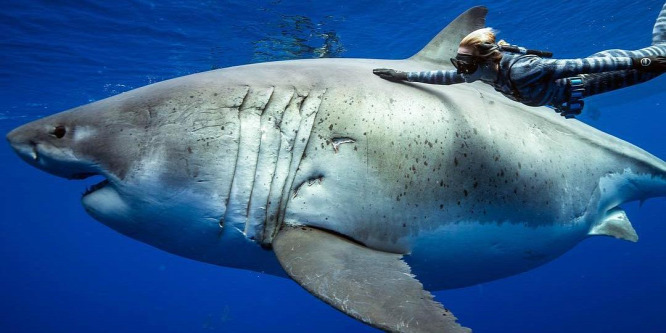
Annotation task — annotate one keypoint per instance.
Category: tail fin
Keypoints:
(445, 45)
(659, 31)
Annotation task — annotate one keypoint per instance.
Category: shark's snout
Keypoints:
(21, 140)
(46, 146)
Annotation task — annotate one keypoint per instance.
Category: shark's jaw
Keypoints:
(95, 187)
(105, 204)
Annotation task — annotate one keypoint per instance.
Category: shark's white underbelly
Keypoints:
(468, 253)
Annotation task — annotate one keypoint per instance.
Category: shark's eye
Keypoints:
(59, 131)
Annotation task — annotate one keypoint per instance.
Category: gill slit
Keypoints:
(237, 108)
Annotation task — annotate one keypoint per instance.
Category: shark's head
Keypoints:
(167, 171)
(146, 192)
(99, 139)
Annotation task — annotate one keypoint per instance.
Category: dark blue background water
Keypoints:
(61, 271)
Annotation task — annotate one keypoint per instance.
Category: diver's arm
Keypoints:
(436, 77)
(432, 77)
(563, 68)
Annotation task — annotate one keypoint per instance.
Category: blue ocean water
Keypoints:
(61, 271)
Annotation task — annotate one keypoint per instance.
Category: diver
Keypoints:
(529, 77)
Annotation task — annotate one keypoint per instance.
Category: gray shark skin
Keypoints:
(326, 163)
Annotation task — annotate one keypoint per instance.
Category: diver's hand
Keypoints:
(390, 74)
(650, 64)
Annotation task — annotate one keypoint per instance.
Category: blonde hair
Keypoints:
(482, 36)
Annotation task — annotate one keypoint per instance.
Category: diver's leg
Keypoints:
(568, 93)
(658, 47)
(603, 82)
(598, 83)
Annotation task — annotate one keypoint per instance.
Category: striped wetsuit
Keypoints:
(537, 81)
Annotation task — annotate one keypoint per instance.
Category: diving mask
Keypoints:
(465, 63)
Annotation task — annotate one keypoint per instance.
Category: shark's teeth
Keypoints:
(95, 187)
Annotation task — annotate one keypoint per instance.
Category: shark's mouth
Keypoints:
(92, 188)
(95, 187)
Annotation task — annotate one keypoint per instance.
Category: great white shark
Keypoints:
(366, 192)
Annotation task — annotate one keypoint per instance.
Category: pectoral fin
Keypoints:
(372, 286)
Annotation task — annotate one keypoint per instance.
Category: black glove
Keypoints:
(649, 64)
(390, 74)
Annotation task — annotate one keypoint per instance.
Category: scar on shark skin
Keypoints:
(338, 141)
(311, 181)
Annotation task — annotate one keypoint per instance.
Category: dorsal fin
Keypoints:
(445, 45)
